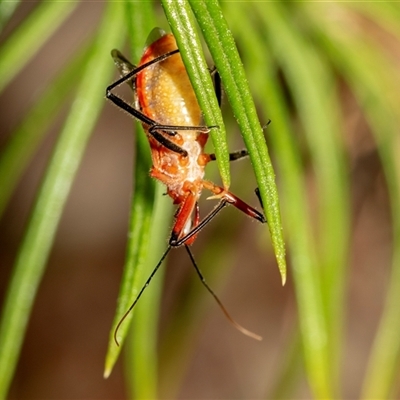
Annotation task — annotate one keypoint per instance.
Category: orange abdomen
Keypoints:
(164, 91)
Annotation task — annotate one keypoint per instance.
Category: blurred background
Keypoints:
(340, 152)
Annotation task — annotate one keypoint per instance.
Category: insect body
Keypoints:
(165, 94)
(166, 105)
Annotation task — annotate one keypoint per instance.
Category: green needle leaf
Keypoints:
(226, 57)
(54, 191)
(26, 138)
(24, 43)
(149, 225)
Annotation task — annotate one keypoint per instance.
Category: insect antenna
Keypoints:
(140, 293)
(224, 310)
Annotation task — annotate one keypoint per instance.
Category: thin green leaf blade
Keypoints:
(224, 52)
(27, 136)
(373, 86)
(281, 133)
(320, 296)
(143, 352)
(7, 9)
(40, 233)
(30, 36)
(385, 14)
(141, 206)
(139, 230)
(142, 356)
(149, 224)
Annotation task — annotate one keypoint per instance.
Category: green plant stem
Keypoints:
(30, 36)
(53, 193)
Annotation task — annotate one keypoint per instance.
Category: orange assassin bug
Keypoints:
(166, 105)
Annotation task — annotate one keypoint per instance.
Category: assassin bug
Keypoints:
(166, 105)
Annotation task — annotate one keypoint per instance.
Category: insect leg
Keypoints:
(119, 59)
(236, 155)
(176, 242)
(140, 293)
(125, 67)
(129, 71)
(183, 220)
(217, 84)
(172, 129)
(235, 201)
(146, 120)
(244, 207)
(224, 310)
